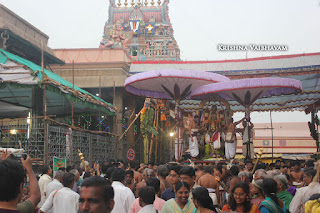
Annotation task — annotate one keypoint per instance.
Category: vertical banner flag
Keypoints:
(58, 163)
(149, 28)
(135, 26)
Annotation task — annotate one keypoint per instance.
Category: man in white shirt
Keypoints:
(64, 200)
(96, 195)
(146, 199)
(44, 180)
(55, 184)
(123, 196)
(304, 193)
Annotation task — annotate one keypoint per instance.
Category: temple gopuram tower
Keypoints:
(142, 28)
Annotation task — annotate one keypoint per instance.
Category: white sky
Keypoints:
(199, 26)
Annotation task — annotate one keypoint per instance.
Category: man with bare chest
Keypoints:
(129, 181)
(199, 172)
(208, 181)
(296, 174)
(234, 170)
(147, 173)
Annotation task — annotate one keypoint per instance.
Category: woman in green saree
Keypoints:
(283, 194)
(181, 203)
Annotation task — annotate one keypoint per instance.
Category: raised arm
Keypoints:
(34, 186)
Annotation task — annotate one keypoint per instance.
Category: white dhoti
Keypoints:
(247, 146)
(178, 154)
(230, 149)
(193, 147)
(213, 196)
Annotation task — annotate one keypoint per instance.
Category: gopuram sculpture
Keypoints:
(142, 29)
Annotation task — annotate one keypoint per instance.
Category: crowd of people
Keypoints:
(119, 187)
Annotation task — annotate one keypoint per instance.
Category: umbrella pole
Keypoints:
(247, 115)
(177, 128)
(271, 135)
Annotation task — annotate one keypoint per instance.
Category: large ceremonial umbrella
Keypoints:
(170, 84)
(247, 91)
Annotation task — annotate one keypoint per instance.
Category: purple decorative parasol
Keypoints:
(170, 84)
(247, 91)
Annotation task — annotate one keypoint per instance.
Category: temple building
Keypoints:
(142, 29)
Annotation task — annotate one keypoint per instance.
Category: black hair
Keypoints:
(314, 197)
(121, 161)
(219, 167)
(12, 175)
(269, 187)
(96, 181)
(62, 169)
(130, 172)
(187, 170)
(104, 168)
(292, 164)
(208, 169)
(234, 170)
(175, 168)
(155, 183)
(310, 172)
(310, 164)
(247, 203)
(147, 194)
(45, 169)
(249, 161)
(277, 161)
(133, 165)
(118, 175)
(109, 172)
(181, 184)
(86, 175)
(68, 168)
(196, 116)
(151, 163)
(201, 195)
(67, 179)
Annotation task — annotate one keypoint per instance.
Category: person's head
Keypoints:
(208, 170)
(201, 198)
(187, 174)
(148, 173)
(260, 174)
(58, 175)
(282, 163)
(277, 163)
(284, 169)
(295, 166)
(109, 172)
(270, 188)
(257, 187)
(174, 174)
(240, 195)
(146, 196)
(309, 164)
(245, 176)
(86, 164)
(104, 168)
(46, 170)
(155, 183)
(129, 176)
(118, 175)
(76, 174)
(121, 164)
(151, 165)
(96, 195)
(132, 165)
(68, 179)
(282, 182)
(182, 190)
(234, 170)
(162, 171)
(308, 176)
(12, 177)
(249, 165)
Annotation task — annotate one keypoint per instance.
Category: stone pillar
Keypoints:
(117, 125)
